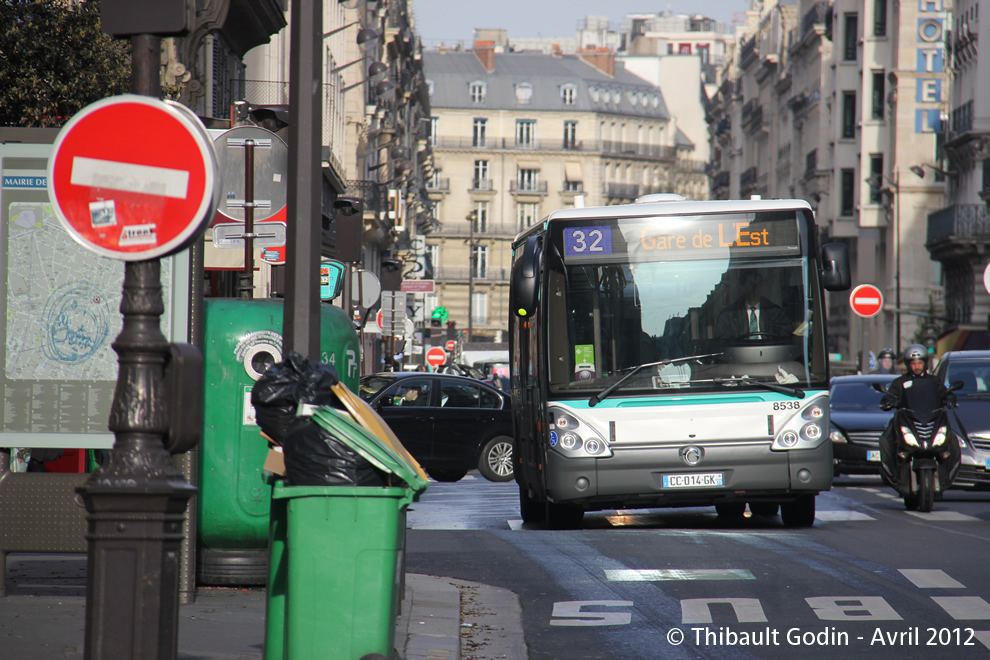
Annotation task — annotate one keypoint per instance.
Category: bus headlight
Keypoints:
(788, 438)
(812, 431)
(575, 438)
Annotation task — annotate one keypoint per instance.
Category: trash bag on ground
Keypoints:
(313, 455)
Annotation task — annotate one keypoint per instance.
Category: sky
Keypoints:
(450, 21)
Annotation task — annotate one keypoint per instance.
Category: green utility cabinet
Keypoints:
(242, 338)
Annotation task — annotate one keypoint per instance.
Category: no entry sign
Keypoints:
(436, 356)
(866, 300)
(133, 177)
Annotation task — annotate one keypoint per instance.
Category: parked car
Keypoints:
(857, 422)
(450, 424)
(973, 412)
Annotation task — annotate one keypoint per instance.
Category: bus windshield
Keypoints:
(738, 291)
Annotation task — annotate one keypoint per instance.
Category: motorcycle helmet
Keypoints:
(916, 352)
(887, 353)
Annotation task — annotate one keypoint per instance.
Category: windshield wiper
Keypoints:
(773, 387)
(601, 396)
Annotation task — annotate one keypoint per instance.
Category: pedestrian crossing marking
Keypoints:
(943, 516)
(964, 608)
(983, 636)
(670, 574)
(845, 516)
(934, 578)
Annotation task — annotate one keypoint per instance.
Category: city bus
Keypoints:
(672, 353)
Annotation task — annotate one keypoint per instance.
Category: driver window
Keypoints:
(409, 393)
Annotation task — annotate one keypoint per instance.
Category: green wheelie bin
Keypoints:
(336, 557)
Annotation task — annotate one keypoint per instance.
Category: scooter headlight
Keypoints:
(909, 437)
(939, 437)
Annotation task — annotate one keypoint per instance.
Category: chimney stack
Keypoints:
(485, 52)
(601, 58)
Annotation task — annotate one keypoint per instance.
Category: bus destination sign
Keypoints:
(683, 238)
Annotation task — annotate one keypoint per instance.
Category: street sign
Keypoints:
(418, 286)
(231, 235)
(436, 356)
(127, 196)
(866, 300)
(393, 312)
(450, 346)
(269, 178)
(365, 288)
(331, 278)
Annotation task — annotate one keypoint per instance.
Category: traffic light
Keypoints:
(931, 338)
(439, 317)
(451, 330)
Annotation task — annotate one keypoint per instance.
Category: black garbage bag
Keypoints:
(313, 455)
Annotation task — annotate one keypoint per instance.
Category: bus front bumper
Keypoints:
(657, 477)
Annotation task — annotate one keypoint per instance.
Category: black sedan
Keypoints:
(971, 418)
(857, 422)
(450, 424)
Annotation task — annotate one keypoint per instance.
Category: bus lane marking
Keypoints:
(930, 578)
(670, 574)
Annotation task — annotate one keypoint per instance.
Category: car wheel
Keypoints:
(495, 463)
(446, 475)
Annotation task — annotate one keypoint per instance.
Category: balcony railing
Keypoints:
(272, 92)
(584, 146)
(463, 274)
(968, 222)
(962, 118)
(374, 194)
(482, 185)
(622, 190)
(819, 14)
(528, 187)
(440, 184)
(747, 51)
(447, 142)
(748, 178)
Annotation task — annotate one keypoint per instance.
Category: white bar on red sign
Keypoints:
(128, 177)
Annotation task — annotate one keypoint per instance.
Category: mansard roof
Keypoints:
(453, 72)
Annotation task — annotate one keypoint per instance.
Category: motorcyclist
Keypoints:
(886, 362)
(920, 392)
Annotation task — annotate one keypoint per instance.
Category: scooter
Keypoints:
(927, 457)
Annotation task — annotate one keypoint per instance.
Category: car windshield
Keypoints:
(974, 374)
(372, 385)
(854, 396)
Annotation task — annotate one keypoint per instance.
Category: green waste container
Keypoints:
(336, 557)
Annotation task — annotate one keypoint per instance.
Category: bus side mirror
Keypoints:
(835, 267)
(525, 279)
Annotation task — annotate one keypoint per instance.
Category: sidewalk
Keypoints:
(44, 617)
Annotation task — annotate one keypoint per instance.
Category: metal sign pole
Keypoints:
(136, 503)
(247, 276)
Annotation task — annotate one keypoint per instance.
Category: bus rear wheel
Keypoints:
(799, 513)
